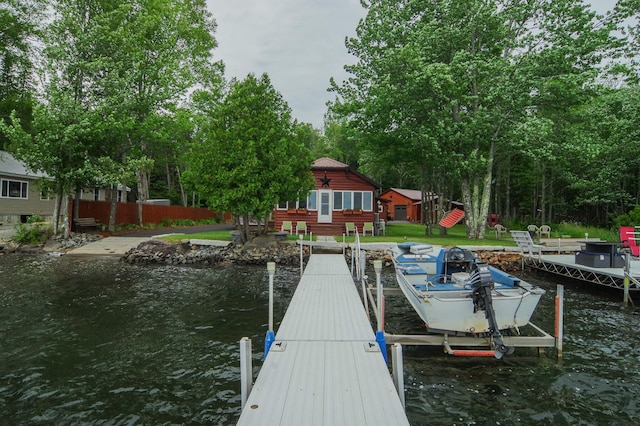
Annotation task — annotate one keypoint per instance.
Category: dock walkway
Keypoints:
(324, 367)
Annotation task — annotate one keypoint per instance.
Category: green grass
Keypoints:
(456, 236)
(212, 235)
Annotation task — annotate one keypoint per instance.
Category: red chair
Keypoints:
(629, 240)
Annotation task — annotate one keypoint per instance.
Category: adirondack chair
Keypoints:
(629, 240)
(287, 226)
(301, 226)
(368, 227)
(350, 227)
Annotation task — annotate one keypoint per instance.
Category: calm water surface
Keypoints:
(99, 342)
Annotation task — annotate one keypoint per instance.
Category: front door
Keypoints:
(324, 210)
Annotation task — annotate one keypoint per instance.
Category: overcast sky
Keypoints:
(299, 43)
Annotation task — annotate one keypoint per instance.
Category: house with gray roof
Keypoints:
(20, 193)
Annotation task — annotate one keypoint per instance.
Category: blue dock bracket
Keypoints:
(270, 337)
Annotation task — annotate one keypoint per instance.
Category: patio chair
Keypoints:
(301, 226)
(367, 227)
(500, 230)
(287, 226)
(382, 229)
(629, 240)
(534, 229)
(350, 227)
(545, 230)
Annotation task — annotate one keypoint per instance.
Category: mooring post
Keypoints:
(559, 318)
(377, 266)
(301, 259)
(382, 342)
(270, 337)
(246, 368)
(398, 370)
(625, 297)
(310, 243)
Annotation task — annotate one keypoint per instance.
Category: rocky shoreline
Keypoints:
(261, 251)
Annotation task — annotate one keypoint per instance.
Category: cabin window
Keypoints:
(337, 200)
(282, 205)
(347, 200)
(15, 189)
(312, 200)
(357, 200)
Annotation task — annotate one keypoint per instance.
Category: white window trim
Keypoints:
(21, 182)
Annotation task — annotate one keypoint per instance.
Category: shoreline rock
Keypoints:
(262, 250)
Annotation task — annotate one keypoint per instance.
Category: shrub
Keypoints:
(34, 219)
(36, 234)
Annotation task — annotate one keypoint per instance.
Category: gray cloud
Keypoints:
(299, 43)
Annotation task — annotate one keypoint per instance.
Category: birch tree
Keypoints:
(441, 85)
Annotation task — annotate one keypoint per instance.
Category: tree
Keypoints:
(247, 157)
(442, 85)
(19, 31)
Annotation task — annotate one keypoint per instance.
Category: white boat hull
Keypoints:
(453, 311)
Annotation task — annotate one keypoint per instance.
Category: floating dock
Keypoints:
(324, 366)
(565, 265)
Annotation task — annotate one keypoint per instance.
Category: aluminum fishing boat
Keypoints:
(455, 293)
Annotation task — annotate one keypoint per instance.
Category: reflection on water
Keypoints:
(96, 341)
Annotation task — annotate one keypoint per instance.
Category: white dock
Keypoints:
(324, 367)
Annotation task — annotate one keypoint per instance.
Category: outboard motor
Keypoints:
(482, 286)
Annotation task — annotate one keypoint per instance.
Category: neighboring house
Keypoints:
(20, 195)
(402, 204)
(406, 205)
(341, 195)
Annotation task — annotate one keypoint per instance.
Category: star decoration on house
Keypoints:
(325, 181)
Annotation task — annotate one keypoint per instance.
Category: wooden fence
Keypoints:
(127, 213)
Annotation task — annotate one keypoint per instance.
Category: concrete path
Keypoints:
(110, 246)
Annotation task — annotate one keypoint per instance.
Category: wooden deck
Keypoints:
(324, 367)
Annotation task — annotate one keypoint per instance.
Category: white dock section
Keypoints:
(324, 367)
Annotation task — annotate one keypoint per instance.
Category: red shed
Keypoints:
(402, 204)
(341, 195)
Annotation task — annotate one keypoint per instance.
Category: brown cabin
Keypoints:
(341, 195)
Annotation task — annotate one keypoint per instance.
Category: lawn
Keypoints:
(456, 236)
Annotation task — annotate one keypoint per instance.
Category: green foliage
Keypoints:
(248, 156)
(631, 218)
(183, 222)
(459, 94)
(34, 234)
(34, 219)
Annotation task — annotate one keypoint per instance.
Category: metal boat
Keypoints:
(453, 292)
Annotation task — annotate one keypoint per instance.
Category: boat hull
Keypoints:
(454, 310)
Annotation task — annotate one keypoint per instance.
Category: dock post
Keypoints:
(398, 370)
(246, 370)
(301, 258)
(377, 266)
(270, 337)
(625, 297)
(559, 318)
(310, 243)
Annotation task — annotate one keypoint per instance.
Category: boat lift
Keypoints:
(376, 297)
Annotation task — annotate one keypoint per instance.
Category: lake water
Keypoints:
(98, 342)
